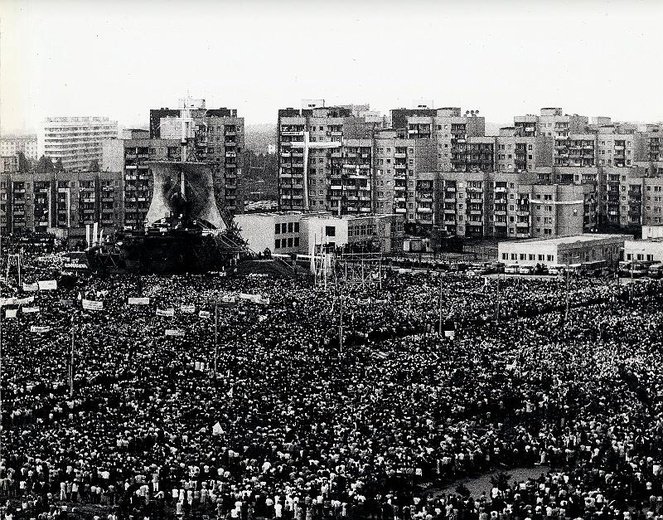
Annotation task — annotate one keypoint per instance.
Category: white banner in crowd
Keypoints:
(451, 334)
(30, 310)
(47, 285)
(255, 298)
(175, 333)
(188, 309)
(139, 301)
(7, 301)
(92, 305)
(31, 287)
(39, 330)
(11, 313)
(168, 313)
(204, 314)
(24, 301)
(228, 298)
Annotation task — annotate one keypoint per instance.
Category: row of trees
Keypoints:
(46, 165)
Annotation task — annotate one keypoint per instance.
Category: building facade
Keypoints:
(76, 141)
(12, 145)
(219, 141)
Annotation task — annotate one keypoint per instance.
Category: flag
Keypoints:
(92, 305)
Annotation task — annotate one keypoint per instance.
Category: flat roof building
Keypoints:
(563, 250)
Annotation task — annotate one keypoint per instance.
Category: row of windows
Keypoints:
(286, 227)
(286, 242)
(528, 256)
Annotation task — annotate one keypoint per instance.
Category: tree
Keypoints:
(94, 165)
(23, 163)
(58, 165)
(45, 165)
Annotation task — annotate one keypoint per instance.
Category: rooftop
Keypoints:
(575, 239)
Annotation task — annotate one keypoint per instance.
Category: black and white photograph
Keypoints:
(331, 260)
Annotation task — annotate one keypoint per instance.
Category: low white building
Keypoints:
(278, 232)
(563, 250)
(299, 232)
(650, 250)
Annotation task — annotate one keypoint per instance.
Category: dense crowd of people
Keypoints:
(296, 423)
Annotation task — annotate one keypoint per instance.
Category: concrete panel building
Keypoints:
(76, 141)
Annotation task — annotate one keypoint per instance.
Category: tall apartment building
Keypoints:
(12, 145)
(312, 161)
(451, 131)
(495, 204)
(552, 122)
(219, 141)
(518, 153)
(129, 159)
(61, 202)
(76, 141)
(398, 162)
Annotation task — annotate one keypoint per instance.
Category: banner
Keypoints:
(254, 298)
(228, 298)
(92, 305)
(7, 301)
(139, 301)
(31, 287)
(204, 314)
(175, 333)
(30, 310)
(39, 330)
(188, 309)
(11, 313)
(76, 260)
(47, 285)
(168, 313)
(451, 334)
(24, 301)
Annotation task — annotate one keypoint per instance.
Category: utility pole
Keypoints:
(216, 336)
(340, 325)
(568, 302)
(440, 308)
(71, 358)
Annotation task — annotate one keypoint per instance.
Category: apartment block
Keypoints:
(313, 159)
(218, 135)
(129, 160)
(551, 122)
(60, 203)
(12, 145)
(517, 153)
(76, 141)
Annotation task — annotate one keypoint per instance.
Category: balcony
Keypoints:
(400, 155)
(400, 210)
(424, 209)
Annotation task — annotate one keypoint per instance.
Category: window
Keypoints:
(330, 231)
(505, 256)
(290, 227)
(290, 242)
(296, 241)
(277, 229)
(277, 243)
(284, 226)
(296, 227)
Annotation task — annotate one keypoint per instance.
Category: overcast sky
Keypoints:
(120, 58)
